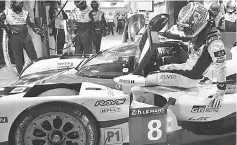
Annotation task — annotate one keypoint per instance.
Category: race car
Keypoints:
(91, 114)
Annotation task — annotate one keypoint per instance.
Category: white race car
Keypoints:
(91, 114)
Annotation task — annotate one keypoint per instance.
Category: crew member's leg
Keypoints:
(78, 45)
(172, 78)
(169, 79)
(98, 37)
(16, 44)
(86, 39)
(29, 47)
(60, 41)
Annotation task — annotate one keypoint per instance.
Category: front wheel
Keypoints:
(55, 124)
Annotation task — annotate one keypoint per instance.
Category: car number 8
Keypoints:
(152, 129)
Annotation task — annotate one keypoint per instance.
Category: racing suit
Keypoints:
(230, 21)
(99, 23)
(58, 28)
(220, 22)
(213, 52)
(83, 31)
(19, 37)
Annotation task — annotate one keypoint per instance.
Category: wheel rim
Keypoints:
(55, 128)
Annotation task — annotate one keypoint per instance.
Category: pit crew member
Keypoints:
(231, 16)
(98, 22)
(17, 20)
(83, 31)
(217, 16)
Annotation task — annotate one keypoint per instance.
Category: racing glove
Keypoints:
(39, 31)
(74, 37)
(10, 31)
(217, 99)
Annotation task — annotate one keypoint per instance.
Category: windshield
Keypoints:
(111, 63)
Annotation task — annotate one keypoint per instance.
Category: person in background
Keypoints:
(98, 22)
(120, 24)
(147, 18)
(222, 7)
(17, 21)
(57, 25)
(110, 20)
(216, 16)
(230, 16)
(83, 30)
(117, 16)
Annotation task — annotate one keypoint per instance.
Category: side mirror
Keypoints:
(158, 22)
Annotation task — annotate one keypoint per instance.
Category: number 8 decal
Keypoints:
(156, 129)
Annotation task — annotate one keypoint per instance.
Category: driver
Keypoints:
(193, 22)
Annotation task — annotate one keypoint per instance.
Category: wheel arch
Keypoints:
(58, 103)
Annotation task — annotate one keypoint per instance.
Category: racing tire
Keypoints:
(55, 123)
(59, 92)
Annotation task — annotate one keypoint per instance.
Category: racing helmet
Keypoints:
(214, 9)
(95, 4)
(81, 4)
(192, 19)
(17, 5)
(231, 6)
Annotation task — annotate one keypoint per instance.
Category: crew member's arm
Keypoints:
(2, 18)
(37, 30)
(222, 24)
(65, 17)
(174, 33)
(92, 19)
(218, 54)
(3, 26)
(30, 23)
(103, 20)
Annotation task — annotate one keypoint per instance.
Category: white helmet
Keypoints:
(231, 6)
(192, 19)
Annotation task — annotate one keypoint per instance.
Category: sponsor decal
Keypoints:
(97, 89)
(147, 111)
(125, 70)
(61, 65)
(164, 77)
(113, 136)
(220, 59)
(220, 53)
(110, 102)
(126, 81)
(118, 86)
(18, 90)
(110, 110)
(203, 108)
(199, 119)
(110, 92)
(3, 120)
